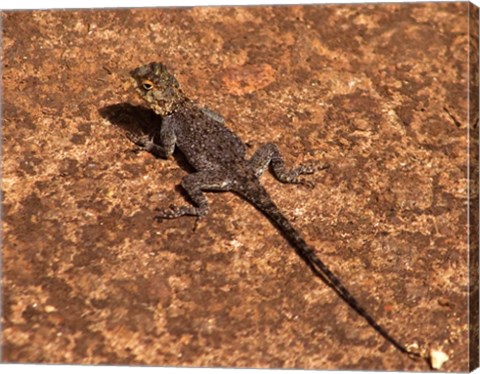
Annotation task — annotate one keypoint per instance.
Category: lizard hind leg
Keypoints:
(268, 154)
(194, 184)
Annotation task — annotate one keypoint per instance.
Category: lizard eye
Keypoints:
(148, 85)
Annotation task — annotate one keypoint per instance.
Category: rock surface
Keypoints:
(377, 91)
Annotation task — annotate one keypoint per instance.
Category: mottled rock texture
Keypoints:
(377, 91)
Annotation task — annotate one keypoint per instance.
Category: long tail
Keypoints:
(262, 201)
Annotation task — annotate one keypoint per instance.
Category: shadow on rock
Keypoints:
(135, 119)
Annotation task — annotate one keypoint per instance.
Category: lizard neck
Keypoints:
(183, 103)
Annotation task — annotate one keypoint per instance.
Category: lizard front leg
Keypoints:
(194, 185)
(268, 154)
(166, 139)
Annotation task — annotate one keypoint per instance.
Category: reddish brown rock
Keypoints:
(377, 91)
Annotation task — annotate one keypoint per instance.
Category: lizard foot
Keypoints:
(140, 140)
(310, 167)
(303, 169)
(173, 212)
(178, 211)
(143, 142)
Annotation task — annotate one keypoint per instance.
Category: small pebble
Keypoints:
(437, 358)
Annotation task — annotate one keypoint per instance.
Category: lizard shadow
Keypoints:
(137, 121)
(132, 118)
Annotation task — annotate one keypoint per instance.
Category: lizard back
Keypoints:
(197, 138)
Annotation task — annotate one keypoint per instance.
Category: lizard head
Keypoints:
(158, 87)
